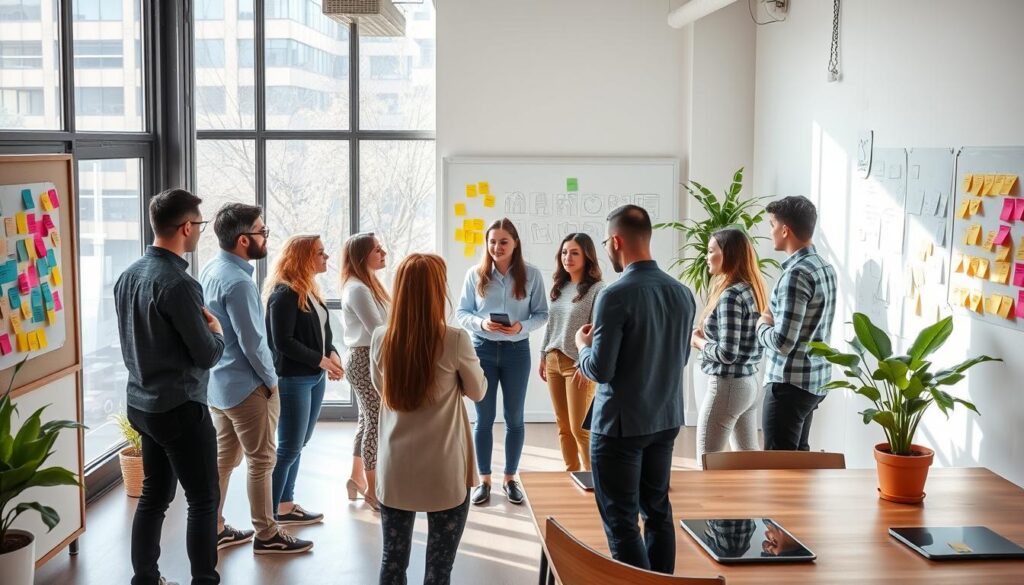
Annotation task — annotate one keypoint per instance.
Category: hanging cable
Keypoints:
(750, 8)
(833, 59)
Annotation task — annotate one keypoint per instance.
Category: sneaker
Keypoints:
(481, 494)
(299, 516)
(513, 491)
(231, 536)
(281, 543)
(166, 582)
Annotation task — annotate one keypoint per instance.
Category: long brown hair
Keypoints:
(517, 268)
(354, 253)
(739, 264)
(591, 267)
(294, 267)
(416, 330)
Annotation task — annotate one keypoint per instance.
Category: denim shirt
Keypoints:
(247, 363)
(531, 311)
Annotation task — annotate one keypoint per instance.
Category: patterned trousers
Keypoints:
(357, 372)
(444, 532)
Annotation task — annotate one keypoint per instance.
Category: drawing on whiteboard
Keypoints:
(592, 204)
(595, 231)
(540, 233)
(566, 204)
(540, 203)
(567, 227)
(515, 203)
(651, 202)
(615, 201)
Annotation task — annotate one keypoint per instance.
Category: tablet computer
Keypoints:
(957, 542)
(501, 319)
(584, 479)
(747, 540)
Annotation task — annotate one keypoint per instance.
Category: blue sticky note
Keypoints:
(47, 296)
(8, 272)
(37, 306)
(14, 297)
(42, 268)
(51, 260)
(22, 251)
(26, 198)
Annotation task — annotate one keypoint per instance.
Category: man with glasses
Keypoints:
(243, 393)
(169, 342)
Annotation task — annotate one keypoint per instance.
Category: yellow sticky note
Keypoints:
(26, 311)
(961, 212)
(982, 271)
(1008, 182)
(990, 240)
(1003, 252)
(1005, 306)
(478, 237)
(22, 341)
(986, 187)
(971, 265)
(973, 234)
(967, 183)
(977, 184)
(1020, 251)
(959, 296)
(469, 251)
(33, 341)
(488, 200)
(997, 185)
(22, 221)
(974, 206)
(974, 301)
(16, 324)
(467, 224)
(958, 262)
(31, 249)
(478, 225)
(460, 209)
(471, 190)
(44, 202)
(41, 337)
(460, 235)
(917, 304)
(1001, 274)
(51, 317)
(55, 276)
(484, 188)
(55, 238)
(992, 304)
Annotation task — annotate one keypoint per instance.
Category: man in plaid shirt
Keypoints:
(801, 309)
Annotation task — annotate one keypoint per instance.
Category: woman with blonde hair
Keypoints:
(364, 304)
(727, 341)
(422, 367)
(299, 335)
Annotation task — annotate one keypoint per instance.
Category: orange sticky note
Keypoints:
(973, 235)
(967, 183)
(1003, 253)
(974, 302)
(963, 210)
(917, 303)
(484, 188)
(959, 296)
(990, 240)
(958, 262)
(55, 238)
(1001, 274)
(986, 187)
(469, 251)
(1020, 251)
(471, 190)
(1008, 182)
(971, 265)
(1005, 306)
(982, 271)
(974, 206)
(992, 304)
(977, 184)
(460, 209)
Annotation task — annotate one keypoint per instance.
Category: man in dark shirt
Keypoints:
(636, 349)
(169, 342)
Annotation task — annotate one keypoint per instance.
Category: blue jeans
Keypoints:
(631, 475)
(301, 397)
(507, 363)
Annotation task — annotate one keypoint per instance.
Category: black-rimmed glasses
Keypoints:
(201, 224)
(265, 232)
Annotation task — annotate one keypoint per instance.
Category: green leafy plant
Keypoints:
(21, 457)
(729, 211)
(902, 387)
(131, 436)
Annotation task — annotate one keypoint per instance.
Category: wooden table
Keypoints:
(836, 513)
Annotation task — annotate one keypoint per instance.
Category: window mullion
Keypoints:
(353, 116)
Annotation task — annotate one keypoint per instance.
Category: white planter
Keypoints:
(18, 567)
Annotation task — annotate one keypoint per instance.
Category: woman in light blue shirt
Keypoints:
(502, 283)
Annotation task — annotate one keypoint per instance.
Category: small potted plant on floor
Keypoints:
(21, 457)
(902, 388)
(130, 457)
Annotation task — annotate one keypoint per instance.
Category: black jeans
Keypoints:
(786, 417)
(177, 445)
(444, 532)
(631, 476)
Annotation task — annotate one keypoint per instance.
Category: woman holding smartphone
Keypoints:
(502, 302)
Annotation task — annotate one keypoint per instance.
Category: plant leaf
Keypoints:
(870, 392)
(50, 516)
(930, 339)
(873, 339)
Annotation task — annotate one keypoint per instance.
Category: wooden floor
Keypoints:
(499, 547)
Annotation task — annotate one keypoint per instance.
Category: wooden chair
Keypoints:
(575, 563)
(774, 460)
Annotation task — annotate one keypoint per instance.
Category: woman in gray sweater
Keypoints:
(577, 281)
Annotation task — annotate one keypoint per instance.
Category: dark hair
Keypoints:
(232, 221)
(517, 268)
(170, 208)
(630, 222)
(797, 213)
(591, 269)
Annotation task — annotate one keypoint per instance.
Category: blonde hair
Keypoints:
(294, 267)
(739, 265)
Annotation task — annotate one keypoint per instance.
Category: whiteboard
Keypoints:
(537, 195)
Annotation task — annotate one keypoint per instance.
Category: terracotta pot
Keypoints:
(901, 477)
(18, 566)
(131, 472)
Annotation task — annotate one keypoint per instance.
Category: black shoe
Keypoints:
(299, 516)
(231, 536)
(513, 491)
(481, 494)
(281, 543)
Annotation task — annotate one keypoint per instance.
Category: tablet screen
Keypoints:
(952, 542)
(584, 479)
(741, 540)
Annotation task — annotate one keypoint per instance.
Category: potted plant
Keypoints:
(130, 457)
(901, 387)
(21, 457)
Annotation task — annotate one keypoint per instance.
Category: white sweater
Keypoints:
(360, 314)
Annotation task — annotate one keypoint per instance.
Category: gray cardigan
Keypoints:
(565, 317)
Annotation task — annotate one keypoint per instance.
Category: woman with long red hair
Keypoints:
(422, 367)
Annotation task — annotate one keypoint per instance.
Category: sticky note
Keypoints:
(484, 188)
(48, 296)
(478, 225)
(467, 224)
(55, 238)
(1005, 306)
(51, 317)
(997, 185)
(5, 308)
(992, 304)
(958, 262)
(976, 186)
(3, 248)
(460, 209)
(23, 284)
(22, 221)
(917, 303)
(572, 185)
(1020, 304)
(26, 311)
(974, 206)
(1008, 210)
(30, 223)
(469, 251)
(981, 272)
(959, 296)
(1018, 274)
(1018, 209)
(986, 188)
(54, 199)
(22, 341)
(8, 272)
(38, 311)
(1008, 183)
(40, 247)
(471, 190)
(42, 268)
(489, 200)
(33, 276)
(44, 202)
(31, 250)
(967, 183)
(33, 341)
(41, 337)
(55, 276)
(1003, 253)
(16, 323)
(973, 235)
(460, 235)
(5, 344)
(10, 226)
(57, 306)
(974, 301)
(51, 259)
(26, 199)
(14, 298)
(964, 209)
(478, 237)
(1003, 236)
(971, 266)
(1001, 274)
(990, 239)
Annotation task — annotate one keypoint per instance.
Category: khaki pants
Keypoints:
(571, 395)
(249, 428)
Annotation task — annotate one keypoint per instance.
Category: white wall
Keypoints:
(919, 73)
(560, 78)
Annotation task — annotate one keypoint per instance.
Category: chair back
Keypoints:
(774, 460)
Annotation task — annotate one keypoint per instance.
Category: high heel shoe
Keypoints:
(371, 501)
(353, 489)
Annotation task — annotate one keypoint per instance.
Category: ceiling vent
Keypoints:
(376, 18)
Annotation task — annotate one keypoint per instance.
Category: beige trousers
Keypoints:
(571, 395)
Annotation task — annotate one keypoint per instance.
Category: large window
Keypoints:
(30, 72)
(108, 65)
(321, 152)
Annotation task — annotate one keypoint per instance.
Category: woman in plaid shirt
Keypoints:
(726, 338)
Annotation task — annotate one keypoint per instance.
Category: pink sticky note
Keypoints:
(1004, 233)
(1008, 210)
(56, 301)
(1020, 304)
(23, 283)
(1018, 274)
(30, 220)
(48, 222)
(40, 247)
(1018, 209)
(5, 344)
(32, 276)
(54, 200)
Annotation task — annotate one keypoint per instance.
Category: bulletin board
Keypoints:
(987, 266)
(38, 270)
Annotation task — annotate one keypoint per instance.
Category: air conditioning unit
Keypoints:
(376, 18)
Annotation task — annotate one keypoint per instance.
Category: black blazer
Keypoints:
(294, 334)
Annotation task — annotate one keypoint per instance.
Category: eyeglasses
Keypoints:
(265, 232)
(604, 242)
(201, 224)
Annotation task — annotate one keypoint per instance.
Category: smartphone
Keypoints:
(501, 319)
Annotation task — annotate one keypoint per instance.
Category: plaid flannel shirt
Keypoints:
(803, 305)
(732, 350)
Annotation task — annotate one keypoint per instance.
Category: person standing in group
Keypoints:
(636, 349)
(576, 283)
(505, 287)
(364, 305)
(801, 309)
(726, 339)
(422, 368)
(300, 338)
(169, 341)
(243, 394)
